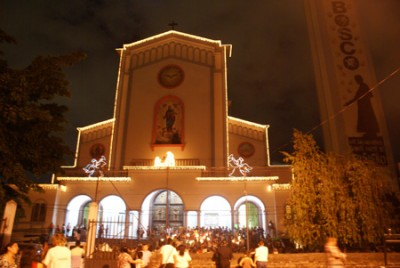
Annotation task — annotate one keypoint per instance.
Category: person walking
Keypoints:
(225, 255)
(125, 259)
(246, 262)
(182, 258)
(77, 255)
(261, 255)
(334, 257)
(167, 252)
(146, 255)
(59, 256)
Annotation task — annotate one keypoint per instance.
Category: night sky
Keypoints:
(270, 73)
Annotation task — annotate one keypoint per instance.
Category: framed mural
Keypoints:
(168, 122)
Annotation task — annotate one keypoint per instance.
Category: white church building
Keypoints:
(170, 156)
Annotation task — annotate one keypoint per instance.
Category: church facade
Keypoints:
(170, 156)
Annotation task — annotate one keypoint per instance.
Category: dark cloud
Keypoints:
(270, 74)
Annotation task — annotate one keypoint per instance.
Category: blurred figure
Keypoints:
(246, 262)
(261, 255)
(182, 258)
(59, 256)
(77, 256)
(45, 248)
(225, 255)
(146, 255)
(167, 252)
(125, 259)
(8, 258)
(334, 257)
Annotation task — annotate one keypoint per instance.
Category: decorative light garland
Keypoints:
(282, 186)
(62, 188)
(164, 167)
(267, 178)
(120, 179)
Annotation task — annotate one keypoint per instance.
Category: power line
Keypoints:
(335, 115)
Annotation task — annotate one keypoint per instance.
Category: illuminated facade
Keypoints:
(167, 149)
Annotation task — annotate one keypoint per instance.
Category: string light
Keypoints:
(116, 179)
(281, 186)
(267, 178)
(62, 188)
(164, 167)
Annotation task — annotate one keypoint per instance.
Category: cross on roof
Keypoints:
(172, 24)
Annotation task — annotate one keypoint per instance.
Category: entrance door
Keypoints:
(167, 211)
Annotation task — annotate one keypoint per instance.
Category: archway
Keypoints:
(255, 212)
(215, 211)
(77, 212)
(111, 217)
(164, 211)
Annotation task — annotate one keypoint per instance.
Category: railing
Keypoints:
(178, 162)
(79, 172)
(389, 239)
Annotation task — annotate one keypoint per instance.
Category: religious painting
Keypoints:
(168, 121)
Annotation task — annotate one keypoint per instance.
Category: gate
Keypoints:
(109, 237)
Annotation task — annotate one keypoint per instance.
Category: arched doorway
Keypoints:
(215, 211)
(165, 211)
(252, 215)
(111, 217)
(255, 212)
(77, 212)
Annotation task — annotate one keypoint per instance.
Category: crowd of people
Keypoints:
(57, 254)
(173, 251)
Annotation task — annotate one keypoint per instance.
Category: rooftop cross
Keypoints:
(173, 24)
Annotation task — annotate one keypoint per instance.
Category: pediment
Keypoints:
(175, 37)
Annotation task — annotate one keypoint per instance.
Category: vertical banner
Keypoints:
(346, 81)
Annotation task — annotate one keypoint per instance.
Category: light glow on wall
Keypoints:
(168, 160)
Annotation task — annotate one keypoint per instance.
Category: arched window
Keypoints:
(39, 211)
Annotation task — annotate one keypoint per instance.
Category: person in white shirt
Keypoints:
(261, 255)
(182, 257)
(77, 256)
(146, 255)
(59, 256)
(167, 254)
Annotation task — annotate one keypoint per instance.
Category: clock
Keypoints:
(171, 76)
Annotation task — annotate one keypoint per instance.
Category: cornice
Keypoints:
(246, 128)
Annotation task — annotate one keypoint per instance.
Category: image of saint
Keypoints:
(366, 119)
(168, 124)
(169, 117)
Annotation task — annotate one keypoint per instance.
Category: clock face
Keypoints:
(171, 76)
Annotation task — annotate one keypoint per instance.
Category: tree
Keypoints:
(335, 195)
(30, 122)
